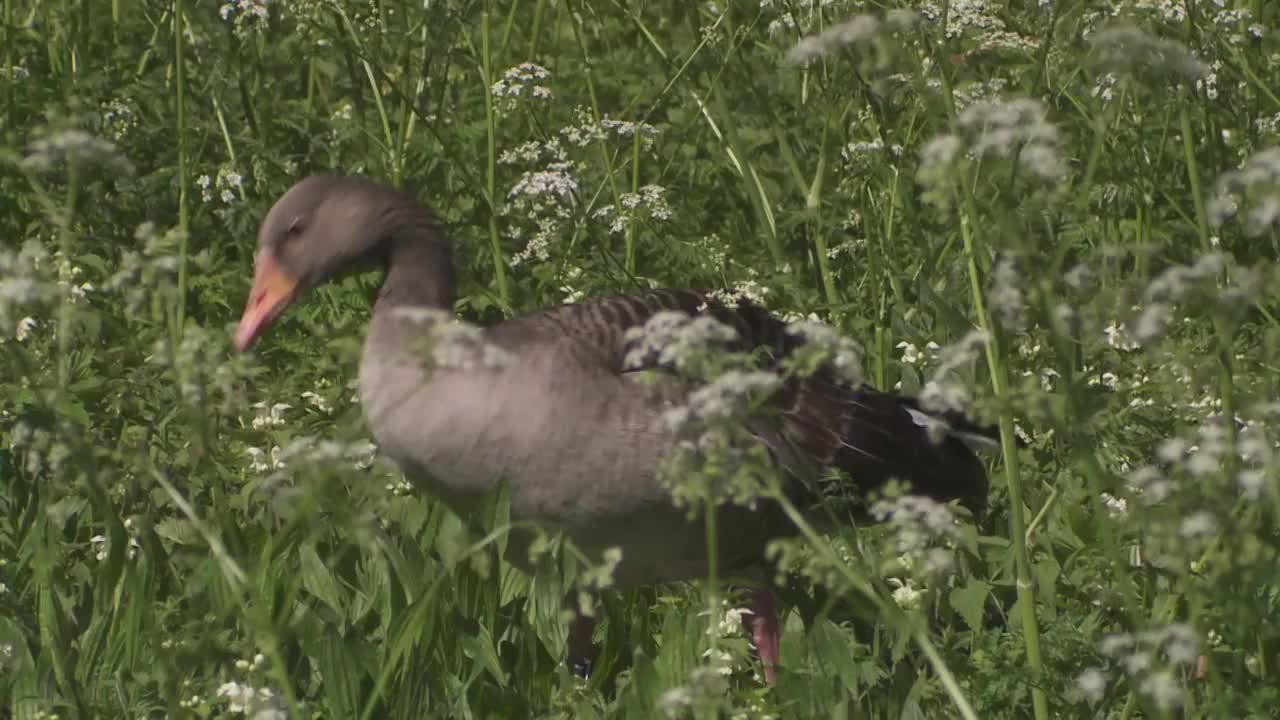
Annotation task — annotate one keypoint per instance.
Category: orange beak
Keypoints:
(273, 291)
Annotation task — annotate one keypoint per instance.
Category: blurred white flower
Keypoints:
(857, 30)
(1118, 337)
(723, 398)
(842, 352)
(317, 401)
(905, 596)
(1090, 686)
(272, 416)
(1117, 508)
(74, 146)
(25, 326)
(1255, 187)
(731, 622)
(1126, 51)
(1199, 525)
(671, 339)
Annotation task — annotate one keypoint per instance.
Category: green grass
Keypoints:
(1093, 222)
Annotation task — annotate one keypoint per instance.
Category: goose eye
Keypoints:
(295, 227)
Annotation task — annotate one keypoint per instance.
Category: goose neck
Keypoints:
(419, 268)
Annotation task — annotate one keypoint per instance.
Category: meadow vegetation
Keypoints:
(1059, 216)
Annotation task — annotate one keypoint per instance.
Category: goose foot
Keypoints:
(581, 650)
(764, 631)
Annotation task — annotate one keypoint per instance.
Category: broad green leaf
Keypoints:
(970, 601)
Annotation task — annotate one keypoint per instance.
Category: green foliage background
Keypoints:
(153, 552)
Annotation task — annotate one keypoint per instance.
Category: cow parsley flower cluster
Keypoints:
(969, 93)
(1131, 54)
(452, 343)
(74, 146)
(118, 118)
(1155, 661)
(673, 339)
(1214, 279)
(943, 391)
(1259, 451)
(246, 15)
(858, 32)
(522, 82)
(1008, 301)
(724, 398)
(1255, 187)
(25, 286)
(977, 18)
(923, 529)
(743, 291)
(1170, 11)
(152, 269)
(828, 345)
(865, 154)
(544, 198)
(586, 131)
(1015, 129)
(649, 204)
(254, 703)
(226, 186)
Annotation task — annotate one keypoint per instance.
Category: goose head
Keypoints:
(321, 228)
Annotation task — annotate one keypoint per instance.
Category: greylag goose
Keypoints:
(577, 439)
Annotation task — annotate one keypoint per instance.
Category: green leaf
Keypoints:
(970, 601)
(179, 531)
(343, 667)
(317, 579)
(480, 647)
(835, 650)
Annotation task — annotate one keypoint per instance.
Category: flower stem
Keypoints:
(605, 161)
(1009, 450)
(495, 245)
(180, 130)
(813, 202)
(1193, 174)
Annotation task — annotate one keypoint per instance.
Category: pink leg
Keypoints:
(581, 649)
(764, 631)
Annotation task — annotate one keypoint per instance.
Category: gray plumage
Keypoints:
(578, 440)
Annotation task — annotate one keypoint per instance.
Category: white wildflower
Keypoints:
(1129, 52)
(731, 622)
(74, 147)
(905, 596)
(672, 338)
(1150, 486)
(524, 81)
(858, 30)
(842, 352)
(269, 416)
(723, 398)
(317, 401)
(24, 328)
(749, 291)
(675, 702)
(910, 353)
(1163, 689)
(1090, 686)
(1199, 525)
(1117, 508)
(998, 128)
(1119, 337)
(453, 343)
(1255, 187)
